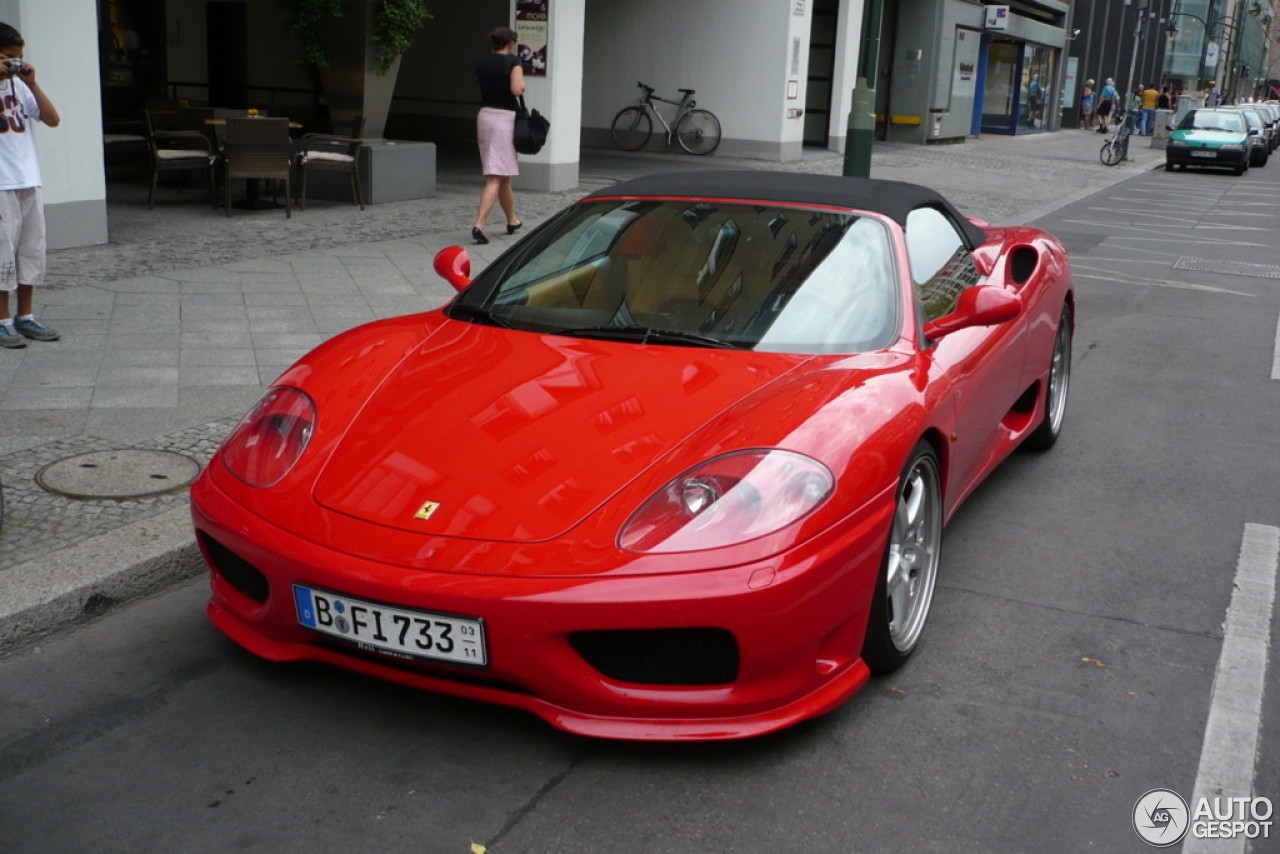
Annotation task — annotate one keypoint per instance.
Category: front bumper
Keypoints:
(798, 619)
(1206, 157)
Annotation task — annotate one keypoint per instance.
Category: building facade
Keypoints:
(1125, 40)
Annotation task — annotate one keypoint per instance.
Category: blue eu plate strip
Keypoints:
(306, 610)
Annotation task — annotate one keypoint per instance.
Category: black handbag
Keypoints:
(531, 130)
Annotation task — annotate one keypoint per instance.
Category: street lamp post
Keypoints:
(1133, 60)
(1172, 30)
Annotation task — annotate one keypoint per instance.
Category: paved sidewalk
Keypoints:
(173, 330)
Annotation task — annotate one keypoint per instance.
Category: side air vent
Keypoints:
(1022, 263)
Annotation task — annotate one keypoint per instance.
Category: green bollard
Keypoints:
(862, 131)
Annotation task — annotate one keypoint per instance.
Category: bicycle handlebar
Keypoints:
(649, 90)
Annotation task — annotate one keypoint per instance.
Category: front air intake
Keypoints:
(237, 571)
(661, 656)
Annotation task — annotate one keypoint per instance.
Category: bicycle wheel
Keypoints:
(1110, 154)
(698, 132)
(631, 128)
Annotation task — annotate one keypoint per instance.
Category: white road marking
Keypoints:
(1120, 279)
(1198, 239)
(1275, 357)
(1172, 236)
(1147, 212)
(1230, 751)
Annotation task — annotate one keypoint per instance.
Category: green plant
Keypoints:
(396, 24)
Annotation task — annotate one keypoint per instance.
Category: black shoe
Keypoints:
(512, 229)
(478, 236)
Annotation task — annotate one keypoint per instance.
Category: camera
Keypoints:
(15, 65)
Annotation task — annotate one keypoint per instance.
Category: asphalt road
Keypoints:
(1068, 668)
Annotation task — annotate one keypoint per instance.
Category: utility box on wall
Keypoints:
(935, 83)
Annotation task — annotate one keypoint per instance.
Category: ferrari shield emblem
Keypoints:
(425, 511)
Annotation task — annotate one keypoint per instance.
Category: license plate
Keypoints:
(398, 632)
(1204, 154)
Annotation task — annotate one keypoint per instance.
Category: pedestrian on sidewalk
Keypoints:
(22, 235)
(1087, 98)
(501, 79)
(1109, 102)
(1149, 98)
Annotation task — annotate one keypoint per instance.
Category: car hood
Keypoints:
(1208, 138)
(502, 435)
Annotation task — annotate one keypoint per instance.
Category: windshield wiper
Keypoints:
(475, 312)
(645, 334)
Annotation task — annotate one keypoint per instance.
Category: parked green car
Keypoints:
(1209, 138)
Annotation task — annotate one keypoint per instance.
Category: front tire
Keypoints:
(1110, 154)
(1056, 387)
(909, 571)
(631, 128)
(699, 132)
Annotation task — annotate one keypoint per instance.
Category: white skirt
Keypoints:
(495, 129)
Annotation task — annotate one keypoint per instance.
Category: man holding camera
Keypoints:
(22, 235)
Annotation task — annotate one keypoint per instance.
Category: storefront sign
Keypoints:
(531, 28)
(997, 18)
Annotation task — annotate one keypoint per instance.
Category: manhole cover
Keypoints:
(129, 473)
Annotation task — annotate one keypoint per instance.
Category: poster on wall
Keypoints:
(964, 76)
(531, 28)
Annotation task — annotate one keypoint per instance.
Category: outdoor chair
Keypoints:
(219, 131)
(257, 149)
(178, 151)
(323, 152)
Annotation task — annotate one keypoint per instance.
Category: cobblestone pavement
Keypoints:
(173, 328)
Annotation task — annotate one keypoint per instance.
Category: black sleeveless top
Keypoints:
(494, 73)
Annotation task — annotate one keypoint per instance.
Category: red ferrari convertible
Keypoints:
(675, 466)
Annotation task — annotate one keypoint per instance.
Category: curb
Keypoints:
(67, 586)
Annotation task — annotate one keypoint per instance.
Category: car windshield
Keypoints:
(699, 274)
(1219, 120)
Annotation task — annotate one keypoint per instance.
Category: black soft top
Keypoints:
(894, 199)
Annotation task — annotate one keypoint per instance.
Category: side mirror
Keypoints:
(453, 265)
(981, 305)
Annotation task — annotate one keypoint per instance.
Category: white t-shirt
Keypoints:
(19, 169)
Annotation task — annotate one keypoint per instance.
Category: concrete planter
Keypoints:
(390, 171)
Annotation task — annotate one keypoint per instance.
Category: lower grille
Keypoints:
(661, 656)
(237, 571)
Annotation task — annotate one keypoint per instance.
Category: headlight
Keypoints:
(1232, 146)
(1178, 143)
(728, 500)
(271, 438)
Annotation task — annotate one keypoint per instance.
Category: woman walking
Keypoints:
(501, 83)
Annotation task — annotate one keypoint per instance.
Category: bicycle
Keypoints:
(697, 131)
(1116, 148)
